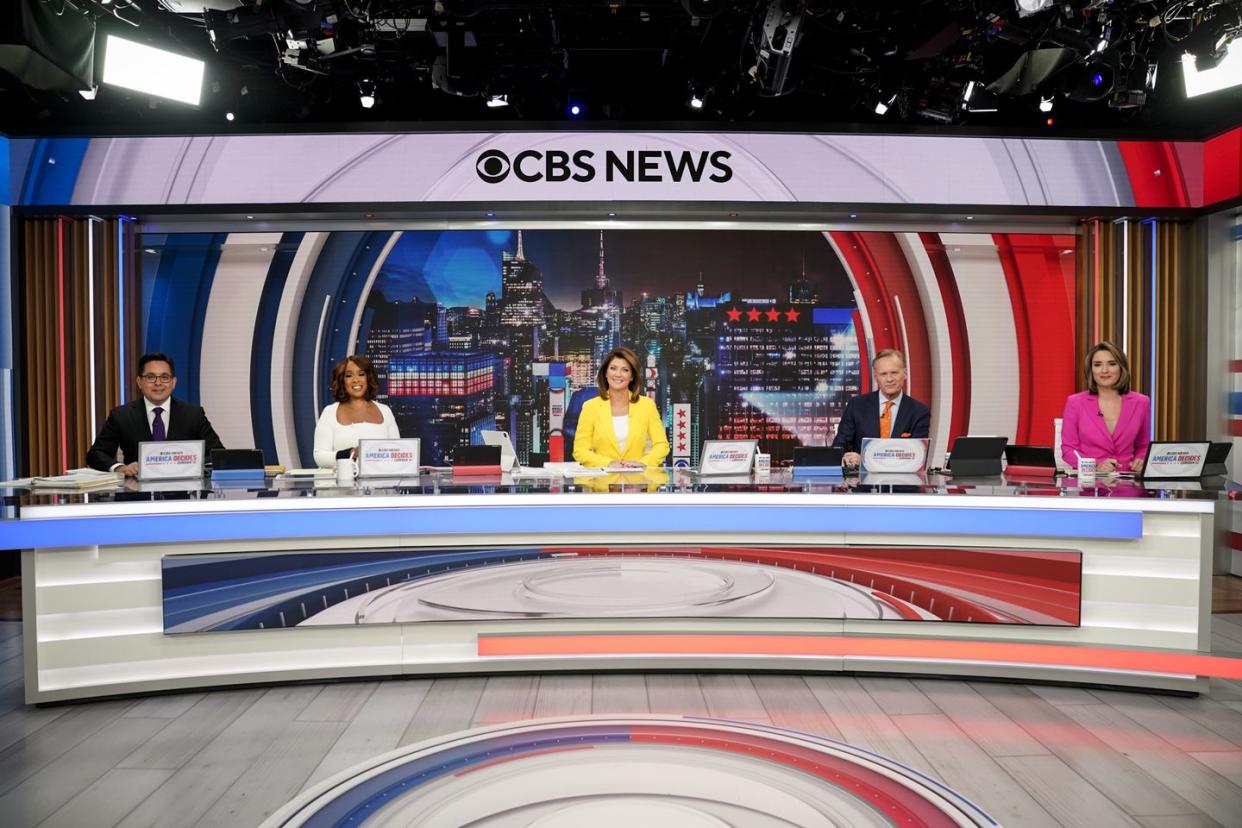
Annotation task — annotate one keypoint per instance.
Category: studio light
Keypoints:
(1224, 75)
(366, 93)
(880, 107)
(229, 116)
(576, 110)
(1028, 7)
(1045, 104)
(497, 101)
(977, 99)
(89, 94)
(695, 101)
(154, 71)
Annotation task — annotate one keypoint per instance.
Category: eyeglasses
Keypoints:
(165, 378)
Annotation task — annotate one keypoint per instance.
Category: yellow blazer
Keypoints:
(595, 442)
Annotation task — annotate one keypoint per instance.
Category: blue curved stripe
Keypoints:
(359, 803)
(261, 346)
(52, 172)
(340, 273)
(179, 299)
(578, 517)
(300, 574)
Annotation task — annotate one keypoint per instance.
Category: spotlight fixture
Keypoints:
(497, 101)
(695, 101)
(89, 94)
(576, 110)
(229, 116)
(882, 105)
(975, 98)
(366, 93)
(1029, 7)
(1226, 73)
(1045, 104)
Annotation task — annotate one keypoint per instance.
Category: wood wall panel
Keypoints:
(63, 261)
(1142, 285)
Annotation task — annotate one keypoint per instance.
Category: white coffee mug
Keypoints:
(346, 471)
(763, 463)
(1086, 467)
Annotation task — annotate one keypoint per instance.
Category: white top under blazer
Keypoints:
(331, 436)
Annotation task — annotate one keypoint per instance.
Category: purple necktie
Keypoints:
(157, 425)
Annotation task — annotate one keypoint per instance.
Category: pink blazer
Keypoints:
(1083, 429)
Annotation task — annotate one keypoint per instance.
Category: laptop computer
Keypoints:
(1217, 454)
(1033, 460)
(976, 456)
(508, 454)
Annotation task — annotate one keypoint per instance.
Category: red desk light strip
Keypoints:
(944, 650)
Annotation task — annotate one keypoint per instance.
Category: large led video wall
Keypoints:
(741, 333)
(253, 591)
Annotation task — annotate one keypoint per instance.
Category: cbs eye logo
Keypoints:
(492, 166)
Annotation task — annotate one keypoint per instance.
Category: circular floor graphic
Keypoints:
(646, 771)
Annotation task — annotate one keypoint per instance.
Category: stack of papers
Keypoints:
(74, 480)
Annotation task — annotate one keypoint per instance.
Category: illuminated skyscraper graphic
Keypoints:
(783, 374)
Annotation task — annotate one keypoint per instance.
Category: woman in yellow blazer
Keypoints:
(615, 427)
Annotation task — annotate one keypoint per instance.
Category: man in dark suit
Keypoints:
(886, 412)
(153, 416)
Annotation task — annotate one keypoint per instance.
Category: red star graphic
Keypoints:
(681, 434)
(681, 446)
(773, 315)
(681, 414)
(735, 315)
(753, 314)
(792, 315)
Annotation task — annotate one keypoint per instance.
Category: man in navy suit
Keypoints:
(154, 416)
(887, 412)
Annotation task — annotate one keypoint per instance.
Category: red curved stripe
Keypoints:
(1040, 279)
(1156, 177)
(959, 340)
(901, 804)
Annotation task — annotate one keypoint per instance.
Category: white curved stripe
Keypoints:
(228, 334)
(868, 337)
(323, 319)
(990, 328)
(284, 334)
(366, 290)
(938, 337)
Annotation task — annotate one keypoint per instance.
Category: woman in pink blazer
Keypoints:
(1108, 421)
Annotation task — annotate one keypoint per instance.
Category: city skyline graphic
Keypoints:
(740, 335)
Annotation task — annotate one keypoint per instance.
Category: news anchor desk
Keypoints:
(142, 591)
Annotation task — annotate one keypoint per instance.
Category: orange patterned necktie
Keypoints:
(886, 419)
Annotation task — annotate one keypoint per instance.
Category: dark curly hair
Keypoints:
(339, 393)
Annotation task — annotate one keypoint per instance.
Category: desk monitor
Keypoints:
(508, 454)
(1217, 454)
(976, 456)
(1034, 460)
(818, 456)
(237, 460)
(1175, 461)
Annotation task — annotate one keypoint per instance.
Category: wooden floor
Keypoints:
(1031, 755)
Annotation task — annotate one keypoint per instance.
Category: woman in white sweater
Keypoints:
(355, 415)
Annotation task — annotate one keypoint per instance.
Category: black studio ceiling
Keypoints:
(793, 64)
